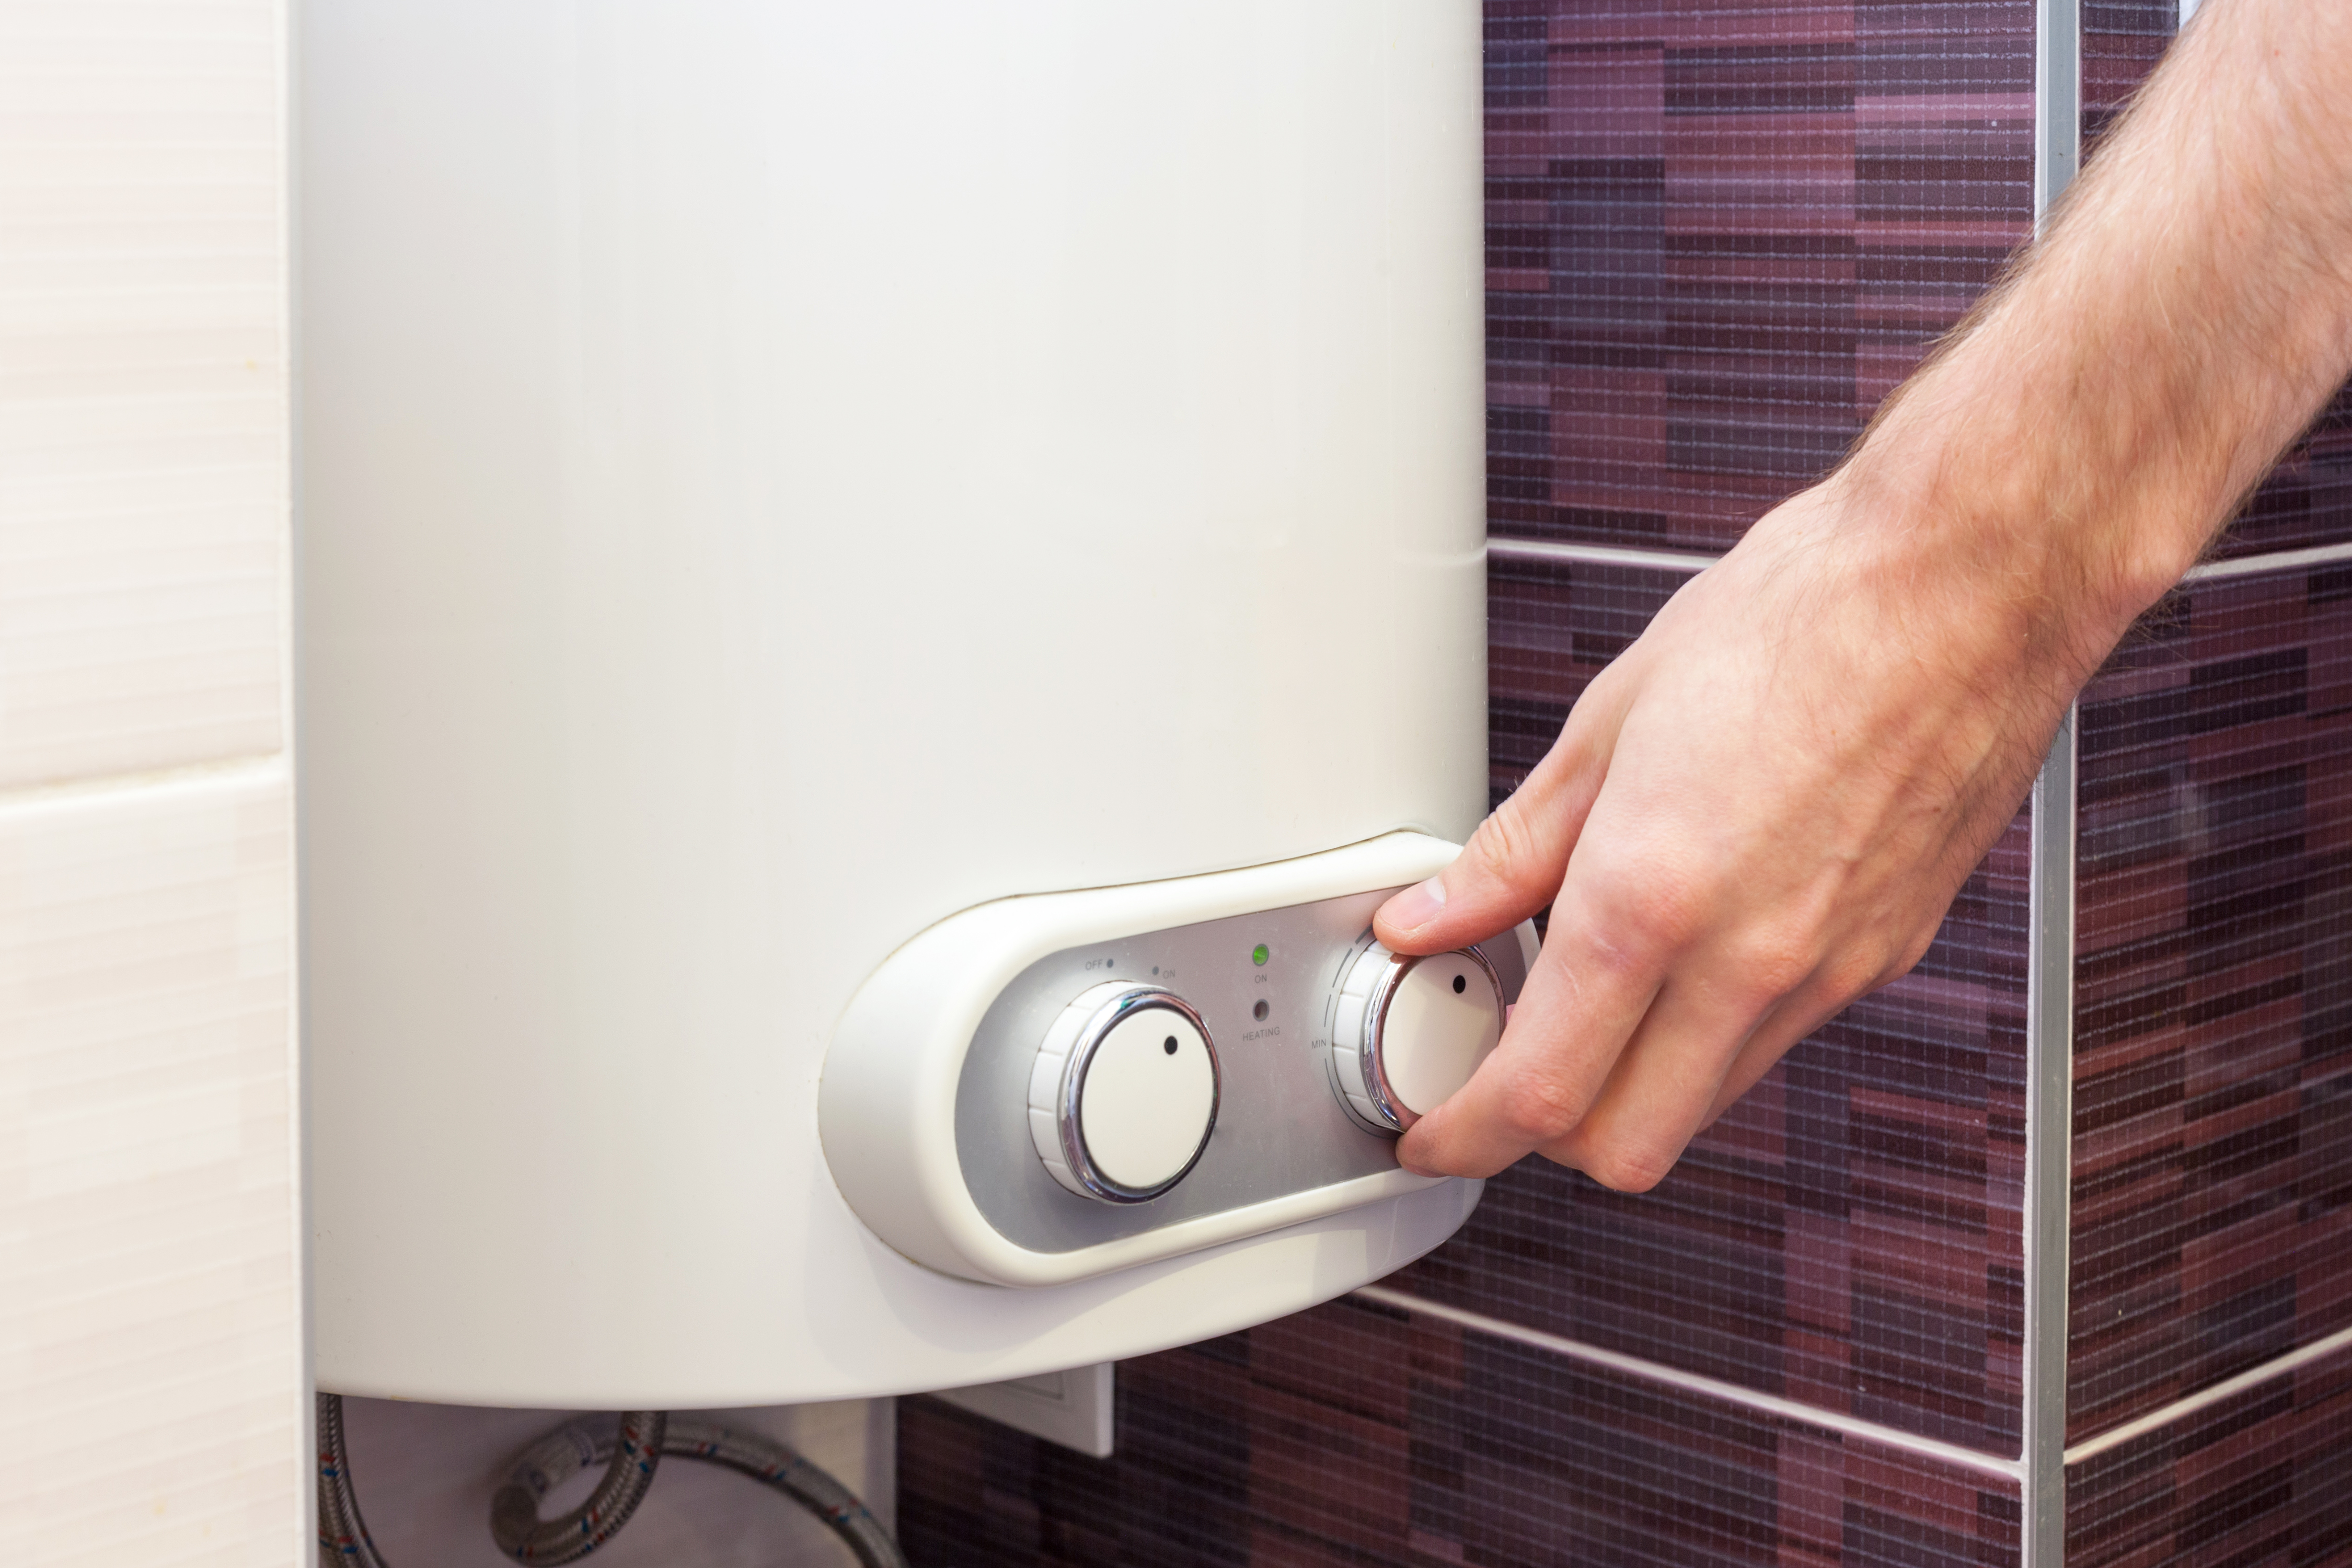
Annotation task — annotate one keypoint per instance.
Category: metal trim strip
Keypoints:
(2188, 1404)
(2048, 1146)
(1692, 1383)
(1552, 551)
(2275, 561)
(1690, 560)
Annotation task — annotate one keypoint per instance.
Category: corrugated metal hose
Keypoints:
(630, 1456)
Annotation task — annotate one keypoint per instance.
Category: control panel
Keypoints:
(1055, 1086)
(1128, 1084)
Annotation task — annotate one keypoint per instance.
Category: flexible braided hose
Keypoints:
(778, 1467)
(523, 1535)
(572, 1447)
(344, 1539)
(644, 1437)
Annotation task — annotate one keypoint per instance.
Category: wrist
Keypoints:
(2004, 469)
(1949, 552)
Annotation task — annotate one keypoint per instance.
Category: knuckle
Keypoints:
(1542, 1106)
(1503, 847)
(1624, 1169)
(1600, 694)
(1860, 969)
(1774, 963)
(1657, 915)
(1908, 958)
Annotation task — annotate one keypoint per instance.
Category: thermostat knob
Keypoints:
(1407, 1032)
(1124, 1093)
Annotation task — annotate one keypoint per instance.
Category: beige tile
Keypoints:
(150, 1298)
(143, 412)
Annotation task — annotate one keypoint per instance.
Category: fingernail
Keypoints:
(1417, 905)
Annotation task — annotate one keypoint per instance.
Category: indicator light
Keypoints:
(1257, 953)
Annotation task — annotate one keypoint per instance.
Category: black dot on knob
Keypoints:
(1460, 985)
(1169, 1045)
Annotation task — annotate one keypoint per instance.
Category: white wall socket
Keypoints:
(1073, 1408)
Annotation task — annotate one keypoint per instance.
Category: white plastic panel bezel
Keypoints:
(887, 1105)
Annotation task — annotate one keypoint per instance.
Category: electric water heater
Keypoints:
(884, 591)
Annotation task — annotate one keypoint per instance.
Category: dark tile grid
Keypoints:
(1849, 1235)
(2262, 1479)
(2121, 41)
(1550, 629)
(2309, 500)
(1718, 233)
(2213, 1223)
(1352, 1434)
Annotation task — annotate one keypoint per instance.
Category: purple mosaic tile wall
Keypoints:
(1718, 233)
(1550, 630)
(2212, 1223)
(1355, 1434)
(2309, 500)
(2265, 1478)
(2121, 41)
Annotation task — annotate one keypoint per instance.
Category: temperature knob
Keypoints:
(1123, 1096)
(1407, 1032)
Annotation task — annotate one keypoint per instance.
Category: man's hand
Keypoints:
(1757, 813)
(1763, 808)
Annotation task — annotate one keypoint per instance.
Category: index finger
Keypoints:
(1581, 1002)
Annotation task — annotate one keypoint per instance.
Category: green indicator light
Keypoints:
(1257, 953)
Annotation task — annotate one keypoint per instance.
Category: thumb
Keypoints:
(1513, 866)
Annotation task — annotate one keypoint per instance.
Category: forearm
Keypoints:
(2187, 313)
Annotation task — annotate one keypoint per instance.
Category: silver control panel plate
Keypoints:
(1280, 1128)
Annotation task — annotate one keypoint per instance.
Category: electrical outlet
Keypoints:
(1073, 1408)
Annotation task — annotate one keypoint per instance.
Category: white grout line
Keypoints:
(1692, 1383)
(1597, 555)
(2277, 560)
(2115, 1437)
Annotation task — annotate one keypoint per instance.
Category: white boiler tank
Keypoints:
(884, 588)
